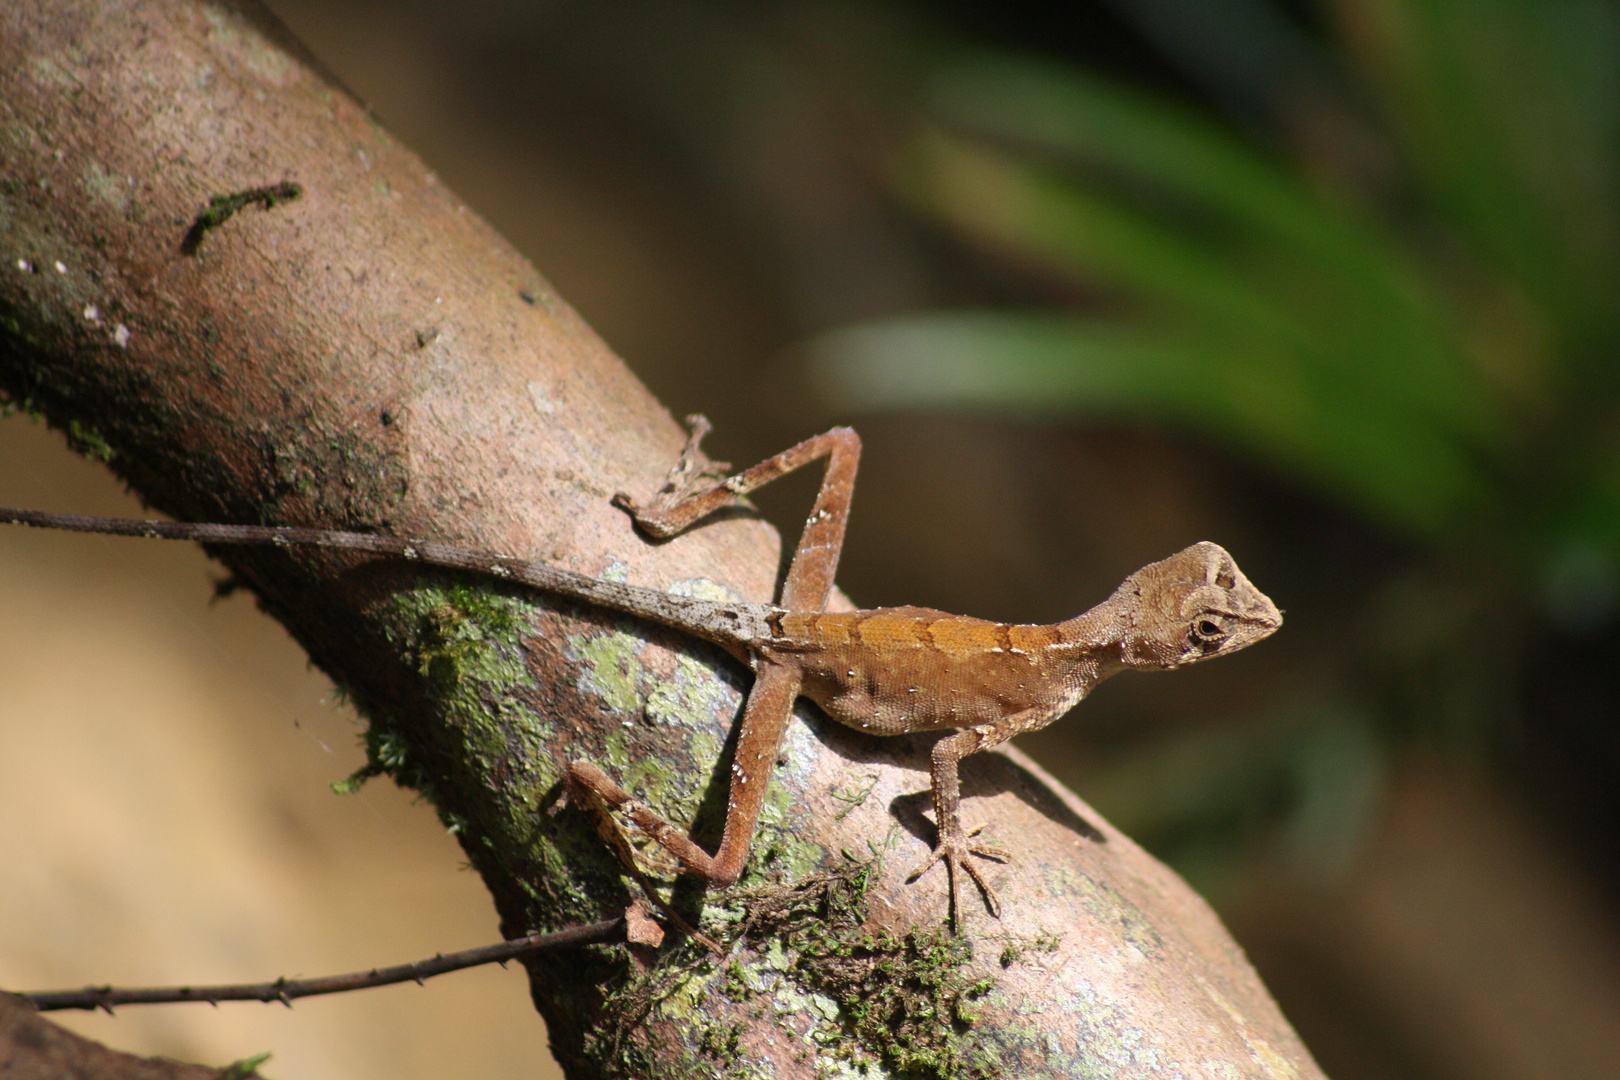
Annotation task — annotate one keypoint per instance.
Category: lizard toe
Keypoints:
(940, 853)
(954, 854)
(994, 854)
(989, 894)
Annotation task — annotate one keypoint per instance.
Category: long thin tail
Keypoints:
(733, 625)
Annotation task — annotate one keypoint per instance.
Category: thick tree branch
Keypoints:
(370, 356)
(33, 1048)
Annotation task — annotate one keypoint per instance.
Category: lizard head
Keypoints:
(1194, 605)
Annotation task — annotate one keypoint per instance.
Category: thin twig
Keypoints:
(285, 990)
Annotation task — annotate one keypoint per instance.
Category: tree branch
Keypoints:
(369, 356)
(287, 990)
(33, 1048)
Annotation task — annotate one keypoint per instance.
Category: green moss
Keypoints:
(906, 999)
(245, 1069)
(855, 795)
(1015, 950)
(690, 702)
(691, 697)
(902, 1003)
(612, 668)
(721, 1040)
(12, 327)
(26, 405)
(622, 1046)
(465, 641)
(468, 638)
(221, 208)
(85, 440)
(779, 843)
(672, 792)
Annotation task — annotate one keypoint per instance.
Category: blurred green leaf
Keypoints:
(1507, 113)
(1232, 392)
(1402, 357)
(1363, 311)
(1123, 137)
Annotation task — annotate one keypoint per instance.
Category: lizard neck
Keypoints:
(1091, 641)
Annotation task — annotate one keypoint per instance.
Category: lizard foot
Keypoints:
(688, 472)
(954, 852)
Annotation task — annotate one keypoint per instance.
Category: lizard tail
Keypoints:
(732, 625)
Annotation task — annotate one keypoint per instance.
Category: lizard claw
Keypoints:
(954, 852)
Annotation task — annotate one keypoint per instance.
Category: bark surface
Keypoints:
(366, 354)
(33, 1048)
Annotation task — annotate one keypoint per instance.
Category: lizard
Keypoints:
(884, 671)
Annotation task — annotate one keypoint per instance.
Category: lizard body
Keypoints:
(885, 671)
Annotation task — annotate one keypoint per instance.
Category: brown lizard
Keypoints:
(887, 671)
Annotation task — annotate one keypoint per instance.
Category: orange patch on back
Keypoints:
(888, 630)
(966, 637)
(819, 628)
(1030, 639)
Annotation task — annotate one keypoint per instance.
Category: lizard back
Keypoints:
(895, 670)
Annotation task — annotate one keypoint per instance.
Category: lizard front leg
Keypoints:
(953, 847)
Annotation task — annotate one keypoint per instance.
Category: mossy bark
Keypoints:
(362, 352)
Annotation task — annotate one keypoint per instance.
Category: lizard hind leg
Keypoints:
(765, 719)
(777, 681)
(596, 792)
(587, 796)
(682, 502)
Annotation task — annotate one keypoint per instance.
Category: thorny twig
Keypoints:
(285, 990)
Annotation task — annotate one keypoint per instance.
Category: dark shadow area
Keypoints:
(982, 775)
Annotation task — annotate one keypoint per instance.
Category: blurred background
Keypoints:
(1330, 283)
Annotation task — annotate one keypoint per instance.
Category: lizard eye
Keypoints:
(1208, 630)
